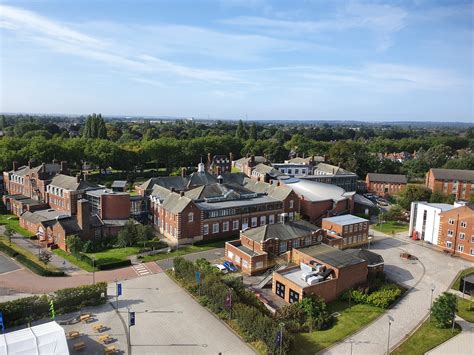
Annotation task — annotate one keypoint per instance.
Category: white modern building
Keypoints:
(424, 220)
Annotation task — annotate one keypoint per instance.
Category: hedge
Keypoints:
(383, 297)
(30, 264)
(114, 265)
(28, 309)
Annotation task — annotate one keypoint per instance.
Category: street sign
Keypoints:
(119, 289)
(1, 322)
(198, 277)
(131, 319)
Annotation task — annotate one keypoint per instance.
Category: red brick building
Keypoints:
(353, 230)
(247, 164)
(459, 183)
(456, 232)
(385, 184)
(262, 247)
(319, 269)
(203, 206)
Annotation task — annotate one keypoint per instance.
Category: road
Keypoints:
(7, 264)
(432, 268)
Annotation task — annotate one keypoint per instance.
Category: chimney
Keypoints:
(55, 161)
(30, 164)
(83, 216)
(172, 189)
(183, 172)
(278, 183)
(64, 169)
(303, 155)
(78, 178)
(252, 160)
(15, 166)
(181, 194)
(258, 179)
(231, 157)
(209, 158)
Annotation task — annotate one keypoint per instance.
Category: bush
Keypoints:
(443, 310)
(382, 297)
(114, 265)
(28, 309)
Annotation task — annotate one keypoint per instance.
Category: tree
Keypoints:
(395, 213)
(413, 193)
(253, 131)
(240, 133)
(74, 244)
(45, 257)
(128, 235)
(144, 233)
(443, 310)
(9, 233)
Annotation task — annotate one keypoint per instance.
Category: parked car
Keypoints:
(221, 268)
(230, 266)
(382, 202)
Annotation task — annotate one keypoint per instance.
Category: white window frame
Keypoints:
(190, 217)
(451, 221)
(450, 233)
(271, 219)
(254, 222)
(292, 203)
(225, 226)
(449, 244)
(296, 243)
(462, 236)
(215, 228)
(283, 247)
(263, 220)
(460, 248)
(235, 224)
(205, 229)
(463, 224)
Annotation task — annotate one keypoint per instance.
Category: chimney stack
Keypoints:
(231, 157)
(83, 217)
(78, 178)
(30, 164)
(172, 189)
(278, 183)
(55, 161)
(252, 160)
(181, 193)
(183, 172)
(64, 169)
(15, 166)
(209, 158)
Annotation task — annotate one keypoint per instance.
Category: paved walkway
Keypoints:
(56, 260)
(431, 268)
(211, 255)
(461, 344)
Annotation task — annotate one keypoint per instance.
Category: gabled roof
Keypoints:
(245, 160)
(272, 190)
(453, 174)
(267, 169)
(70, 183)
(282, 231)
(175, 203)
(332, 169)
(331, 256)
(119, 184)
(49, 168)
(390, 178)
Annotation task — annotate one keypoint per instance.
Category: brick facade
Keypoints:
(456, 232)
(461, 188)
(353, 235)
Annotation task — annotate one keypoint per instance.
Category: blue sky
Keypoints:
(361, 60)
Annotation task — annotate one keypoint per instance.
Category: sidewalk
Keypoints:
(56, 260)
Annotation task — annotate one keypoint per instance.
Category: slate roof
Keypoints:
(267, 169)
(70, 225)
(371, 257)
(333, 169)
(345, 219)
(70, 183)
(453, 174)
(50, 168)
(175, 203)
(390, 178)
(331, 256)
(282, 231)
(119, 184)
(245, 160)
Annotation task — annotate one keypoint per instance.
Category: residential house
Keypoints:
(457, 182)
(385, 184)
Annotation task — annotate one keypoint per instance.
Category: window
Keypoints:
(292, 203)
(345, 229)
(449, 245)
(271, 219)
(225, 226)
(289, 171)
(190, 217)
(349, 240)
(245, 264)
(259, 265)
(350, 228)
(294, 296)
(463, 224)
(461, 248)
(280, 289)
(263, 220)
(283, 247)
(215, 228)
(296, 243)
(472, 238)
(450, 233)
(237, 259)
(472, 251)
(356, 227)
(451, 221)
(297, 171)
(307, 240)
(254, 221)
(461, 236)
(205, 229)
(235, 225)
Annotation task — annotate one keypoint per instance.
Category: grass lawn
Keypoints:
(112, 255)
(180, 252)
(73, 260)
(349, 321)
(13, 222)
(463, 308)
(425, 338)
(457, 282)
(391, 226)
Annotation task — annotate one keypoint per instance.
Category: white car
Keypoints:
(221, 268)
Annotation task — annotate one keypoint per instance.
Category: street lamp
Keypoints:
(93, 270)
(282, 325)
(431, 301)
(390, 320)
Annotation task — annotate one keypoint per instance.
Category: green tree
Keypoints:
(144, 233)
(240, 132)
(74, 244)
(128, 235)
(396, 213)
(9, 233)
(253, 131)
(443, 310)
(413, 193)
(45, 257)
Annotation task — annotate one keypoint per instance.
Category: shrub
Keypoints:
(443, 310)
(114, 265)
(382, 297)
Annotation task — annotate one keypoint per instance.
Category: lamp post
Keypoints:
(93, 270)
(390, 320)
(431, 301)
(282, 325)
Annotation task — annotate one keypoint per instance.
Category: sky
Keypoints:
(376, 61)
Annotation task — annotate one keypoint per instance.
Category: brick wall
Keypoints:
(115, 206)
(456, 232)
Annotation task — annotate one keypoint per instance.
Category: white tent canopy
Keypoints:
(43, 339)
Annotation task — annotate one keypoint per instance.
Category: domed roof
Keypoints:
(316, 191)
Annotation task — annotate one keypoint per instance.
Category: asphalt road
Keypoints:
(6, 264)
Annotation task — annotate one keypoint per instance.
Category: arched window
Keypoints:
(190, 217)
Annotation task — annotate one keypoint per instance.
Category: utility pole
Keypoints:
(431, 301)
(282, 325)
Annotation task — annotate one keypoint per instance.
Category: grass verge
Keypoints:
(350, 320)
(73, 260)
(14, 223)
(179, 252)
(390, 227)
(113, 255)
(466, 308)
(457, 282)
(425, 338)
